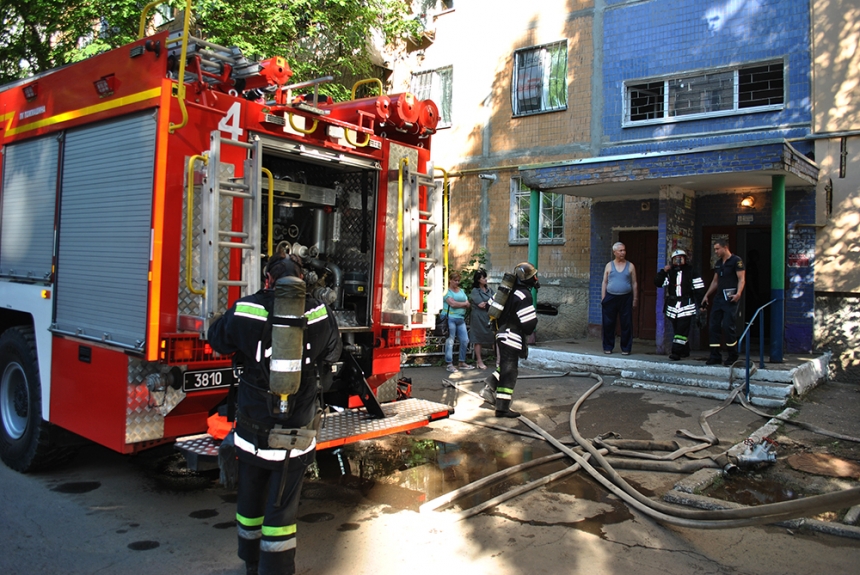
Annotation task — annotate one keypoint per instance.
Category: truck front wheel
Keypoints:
(24, 436)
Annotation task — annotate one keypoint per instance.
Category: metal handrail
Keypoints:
(745, 334)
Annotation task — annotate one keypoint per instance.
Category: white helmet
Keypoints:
(677, 253)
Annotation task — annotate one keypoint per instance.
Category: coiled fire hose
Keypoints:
(700, 519)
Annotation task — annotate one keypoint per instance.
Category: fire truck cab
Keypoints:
(141, 192)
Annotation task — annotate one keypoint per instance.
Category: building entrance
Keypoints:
(642, 251)
(752, 244)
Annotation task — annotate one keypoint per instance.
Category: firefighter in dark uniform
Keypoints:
(517, 322)
(270, 479)
(683, 296)
(727, 288)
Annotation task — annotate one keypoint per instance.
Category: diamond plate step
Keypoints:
(348, 426)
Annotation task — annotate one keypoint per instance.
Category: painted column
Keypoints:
(777, 269)
(534, 232)
(663, 241)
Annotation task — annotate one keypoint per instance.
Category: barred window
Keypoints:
(540, 79)
(436, 85)
(551, 212)
(758, 87)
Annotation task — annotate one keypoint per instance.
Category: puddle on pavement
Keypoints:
(404, 472)
(77, 487)
(582, 486)
(203, 514)
(748, 489)
(143, 545)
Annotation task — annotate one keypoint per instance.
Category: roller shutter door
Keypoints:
(28, 203)
(105, 231)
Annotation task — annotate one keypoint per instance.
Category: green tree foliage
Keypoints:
(318, 37)
(39, 35)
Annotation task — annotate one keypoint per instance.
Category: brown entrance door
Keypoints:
(642, 251)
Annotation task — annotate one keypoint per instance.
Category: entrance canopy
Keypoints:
(742, 166)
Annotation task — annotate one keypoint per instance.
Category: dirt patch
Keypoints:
(824, 464)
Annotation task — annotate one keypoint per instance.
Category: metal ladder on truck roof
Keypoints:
(426, 295)
(222, 187)
(212, 58)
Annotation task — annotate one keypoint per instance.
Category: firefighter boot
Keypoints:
(503, 405)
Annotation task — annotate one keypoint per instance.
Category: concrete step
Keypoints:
(676, 378)
(757, 398)
(757, 387)
(716, 372)
(800, 378)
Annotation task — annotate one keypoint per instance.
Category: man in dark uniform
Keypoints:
(683, 294)
(728, 283)
(270, 478)
(517, 322)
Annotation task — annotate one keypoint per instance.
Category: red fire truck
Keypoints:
(142, 190)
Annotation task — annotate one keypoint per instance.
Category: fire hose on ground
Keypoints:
(662, 512)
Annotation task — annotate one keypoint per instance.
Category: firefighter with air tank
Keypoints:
(285, 343)
(684, 291)
(513, 314)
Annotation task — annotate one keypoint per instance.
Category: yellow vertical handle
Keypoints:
(189, 218)
(271, 207)
(403, 162)
(444, 221)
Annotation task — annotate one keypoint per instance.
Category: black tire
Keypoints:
(25, 438)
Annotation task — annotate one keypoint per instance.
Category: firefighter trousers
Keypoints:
(509, 366)
(723, 322)
(680, 343)
(266, 526)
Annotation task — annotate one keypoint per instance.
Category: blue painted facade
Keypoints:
(652, 40)
(658, 38)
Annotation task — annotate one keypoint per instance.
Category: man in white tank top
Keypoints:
(619, 295)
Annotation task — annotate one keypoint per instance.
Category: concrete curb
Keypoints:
(702, 502)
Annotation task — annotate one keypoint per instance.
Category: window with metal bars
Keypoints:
(436, 85)
(551, 225)
(749, 88)
(539, 82)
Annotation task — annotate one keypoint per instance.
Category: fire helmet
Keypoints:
(679, 253)
(525, 271)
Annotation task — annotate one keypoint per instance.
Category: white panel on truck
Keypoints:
(105, 231)
(27, 206)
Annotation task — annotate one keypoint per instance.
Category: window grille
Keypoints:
(750, 88)
(539, 83)
(551, 225)
(436, 85)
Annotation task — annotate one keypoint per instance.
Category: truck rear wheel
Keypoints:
(24, 436)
